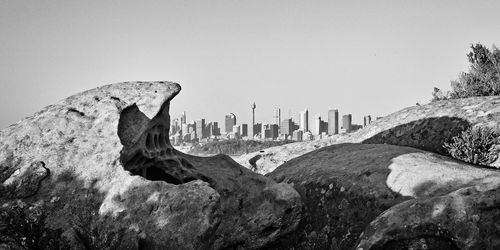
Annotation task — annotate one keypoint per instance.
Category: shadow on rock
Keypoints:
(427, 134)
(343, 188)
(254, 210)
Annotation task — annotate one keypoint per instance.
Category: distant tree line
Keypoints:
(483, 78)
(235, 147)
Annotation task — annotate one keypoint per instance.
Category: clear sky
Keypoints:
(362, 57)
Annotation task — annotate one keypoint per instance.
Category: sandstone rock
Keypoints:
(108, 154)
(464, 219)
(345, 186)
(424, 127)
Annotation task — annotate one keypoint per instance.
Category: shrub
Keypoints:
(23, 226)
(474, 145)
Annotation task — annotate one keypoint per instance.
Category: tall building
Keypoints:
(274, 131)
(287, 127)
(183, 117)
(347, 122)
(320, 126)
(276, 116)
(257, 129)
(253, 113)
(200, 129)
(230, 121)
(304, 120)
(333, 121)
(244, 130)
(367, 120)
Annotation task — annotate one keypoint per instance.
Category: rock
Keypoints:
(26, 182)
(346, 186)
(463, 219)
(424, 127)
(113, 173)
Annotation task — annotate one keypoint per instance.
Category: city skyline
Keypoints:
(276, 115)
(280, 128)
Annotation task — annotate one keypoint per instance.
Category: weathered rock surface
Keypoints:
(464, 219)
(424, 127)
(346, 186)
(112, 142)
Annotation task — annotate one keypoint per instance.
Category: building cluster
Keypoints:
(278, 129)
(198, 130)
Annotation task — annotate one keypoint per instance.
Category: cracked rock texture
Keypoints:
(113, 141)
(424, 127)
(344, 187)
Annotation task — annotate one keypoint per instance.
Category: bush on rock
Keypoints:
(474, 145)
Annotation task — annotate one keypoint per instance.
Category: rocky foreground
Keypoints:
(102, 164)
(97, 171)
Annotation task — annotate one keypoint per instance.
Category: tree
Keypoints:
(483, 78)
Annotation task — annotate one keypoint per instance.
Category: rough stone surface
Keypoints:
(345, 186)
(424, 127)
(74, 156)
(463, 219)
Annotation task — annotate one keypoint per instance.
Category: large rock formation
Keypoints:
(424, 127)
(463, 219)
(104, 155)
(346, 186)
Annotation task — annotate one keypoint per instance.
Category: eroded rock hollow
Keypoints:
(104, 155)
(255, 210)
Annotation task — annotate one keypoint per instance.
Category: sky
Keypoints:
(361, 57)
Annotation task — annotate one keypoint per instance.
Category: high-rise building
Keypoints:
(287, 127)
(200, 129)
(367, 120)
(266, 131)
(320, 126)
(257, 129)
(304, 120)
(274, 131)
(347, 122)
(183, 117)
(276, 116)
(333, 121)
(184, 128)
(244, 130)
(230, 121)
(253, 113)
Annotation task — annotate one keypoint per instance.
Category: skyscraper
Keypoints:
(200, 129)
(244, 130)
(333, 121)
(253, 113)
(276, 116)
(230, 121)
(367, 120)
(183, 118)
(347, 122)
(320, 125)
(304, 120)
(287, 127)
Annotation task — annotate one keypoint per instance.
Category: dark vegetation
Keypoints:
(56, 223)
(483, 78)
(235, 147)
(474, 145)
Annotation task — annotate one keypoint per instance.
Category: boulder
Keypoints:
(463, 219)
(101, 164)
(346, 186)
(424, 127)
